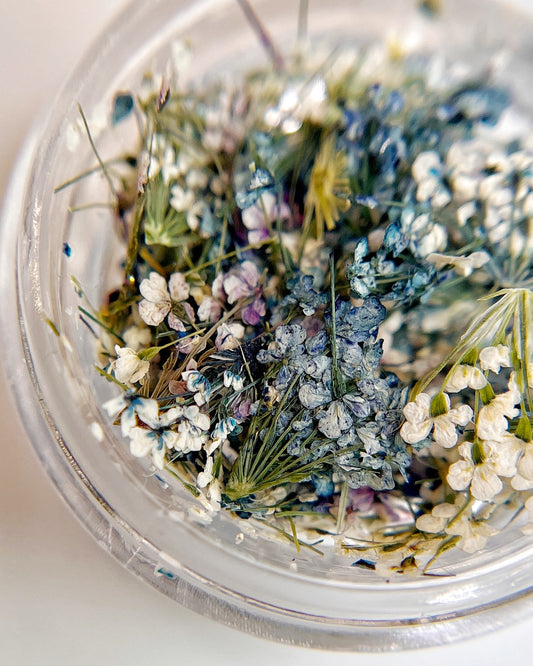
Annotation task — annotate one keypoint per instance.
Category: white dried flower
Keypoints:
(482, 466)
(494, 358)
(204, 478)
(462, 265)
(156, 303)
(491, 422)
(181, 199)
(158, 438)
(128, 368)
(465, 376)
(438, 519)
(473, 533)
(523, 479)
(419, 422)
(136, 337)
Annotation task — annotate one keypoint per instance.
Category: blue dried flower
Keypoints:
(261, 181)
(303, 293)
(314, 394)
(287, 343)
(476, 103)
(394, 240)
(357, 322)
(323, 485)
(316, 344)
(373, 273)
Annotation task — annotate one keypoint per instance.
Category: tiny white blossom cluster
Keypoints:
(156, 432)
(488, 458)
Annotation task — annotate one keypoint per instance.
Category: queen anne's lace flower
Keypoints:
(438, 519)
(464, 376)
(481, 472)
(474, 533)
(491, 422)
(494, 358)
(523, 479)
(419, 422)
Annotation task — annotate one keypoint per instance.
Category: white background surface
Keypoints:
(63, 601)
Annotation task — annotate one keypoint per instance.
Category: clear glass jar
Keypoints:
(255, 583)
